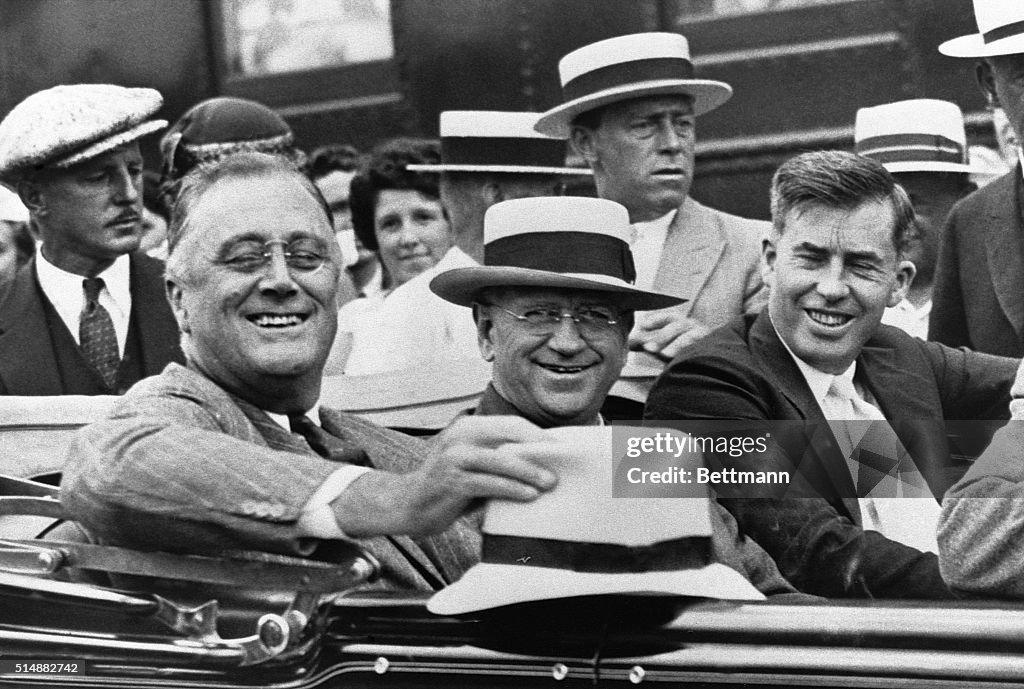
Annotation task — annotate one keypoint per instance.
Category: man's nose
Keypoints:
(127, 186)
(277, 277)
(668, 138)
(566, 338)
(832, 282)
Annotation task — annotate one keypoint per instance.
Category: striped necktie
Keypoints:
(96, 335)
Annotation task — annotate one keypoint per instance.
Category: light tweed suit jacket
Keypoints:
(181, 465)
(713, 259)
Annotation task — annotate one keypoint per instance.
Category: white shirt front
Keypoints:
(910, 520)
(911, 319)
(66, 292)
(647, 245)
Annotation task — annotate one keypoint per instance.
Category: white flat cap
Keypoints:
(69, 124)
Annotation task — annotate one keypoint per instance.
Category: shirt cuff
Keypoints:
(317, 518)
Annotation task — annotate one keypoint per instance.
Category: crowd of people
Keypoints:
(883, 298)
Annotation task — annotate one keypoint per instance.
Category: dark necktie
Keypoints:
(325, 444)
(96, 334)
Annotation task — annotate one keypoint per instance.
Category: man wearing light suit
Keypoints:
(979, 278)
(630, 108)
(223, 453)
(851, 525)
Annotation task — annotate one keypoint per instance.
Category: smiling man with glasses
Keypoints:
(553, 305)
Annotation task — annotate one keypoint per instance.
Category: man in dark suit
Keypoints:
(980, 274)
(222, 453)
(87, 315)
(847, 525)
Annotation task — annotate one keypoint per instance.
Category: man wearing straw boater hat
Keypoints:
(486, 157)
(553, 305)
(87, 315)
(980, 275)
(923, 144)
(630, 108)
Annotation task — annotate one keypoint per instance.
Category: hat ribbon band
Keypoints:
(597, 558)
(1002, 32)
(563, 252)
(493, 150)
(622, 73)
(892, 148)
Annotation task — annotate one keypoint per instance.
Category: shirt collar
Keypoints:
(116, 279)
(282, 419)
(659, 224)
(818, 381)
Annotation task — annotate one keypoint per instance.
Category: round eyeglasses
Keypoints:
(304, 255)
(591, 320)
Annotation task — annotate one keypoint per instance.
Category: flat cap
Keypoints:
(69, 124)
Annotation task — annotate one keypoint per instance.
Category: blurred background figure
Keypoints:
(332, 168)
(218, 127)
(16, 243)
(923, 144)
(398, 214)
(155, 217)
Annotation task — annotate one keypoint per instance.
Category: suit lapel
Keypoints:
(151, 319)
(775, 360)
(27, 360)
(1005, 250)
(693, 247)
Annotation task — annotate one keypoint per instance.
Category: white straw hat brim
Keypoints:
(516, 169)
(973, 45)
(707, 95)
(486, 586)
(462, 285)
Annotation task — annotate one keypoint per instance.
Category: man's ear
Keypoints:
(583, 140)
(492, 193)
(987, 83)
(768, 257)
(175, 296)
(905, 273)
(484, 328)
(31, 194)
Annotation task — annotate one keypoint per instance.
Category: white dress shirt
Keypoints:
(911, 319)
(647, 245)
(910, 520)
(65, 291)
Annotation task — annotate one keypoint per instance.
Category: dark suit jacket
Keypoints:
(743, 371)
(978, 300)
(28, 346)
(181, 465)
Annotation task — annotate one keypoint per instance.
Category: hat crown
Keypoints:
(490, 124)
(919, 135)
(543, 214)
(995, 14)
(918, 116)
(581, 507)
(621, 49)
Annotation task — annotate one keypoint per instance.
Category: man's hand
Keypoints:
(665, 332)
(474, 458)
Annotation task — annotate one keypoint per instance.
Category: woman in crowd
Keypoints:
(398, 214)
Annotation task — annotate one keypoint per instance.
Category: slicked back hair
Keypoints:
(839, 179)
(204, 176)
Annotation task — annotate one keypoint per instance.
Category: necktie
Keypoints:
(96, 335)
(894, 498)
(325, 444)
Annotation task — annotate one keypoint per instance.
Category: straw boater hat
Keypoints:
(578, 540)
(1000, 31)
(921, 135)
(498, 141)
(65, 125)
(626, 67)
(559, 242)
